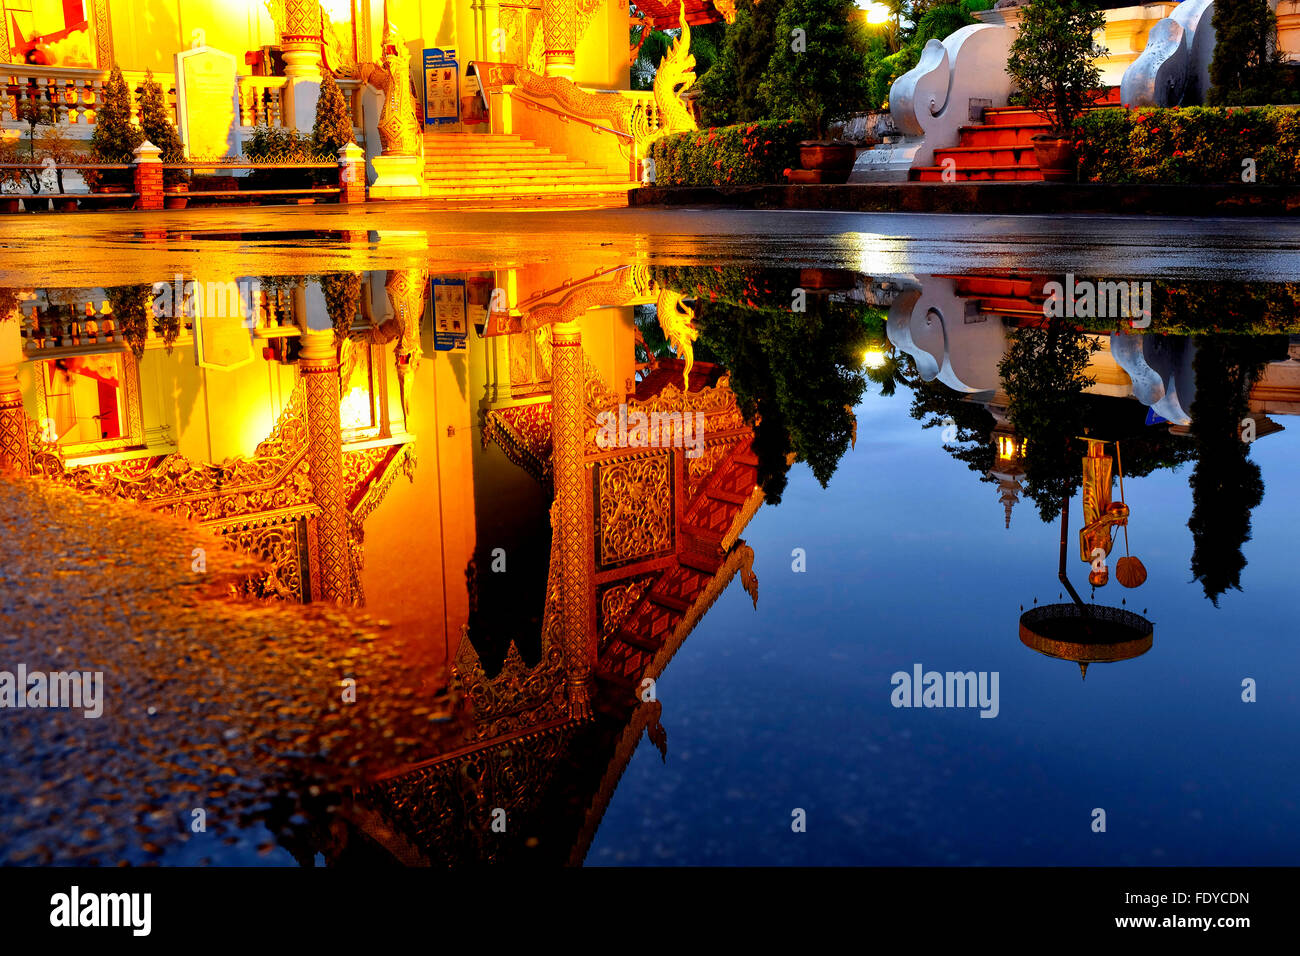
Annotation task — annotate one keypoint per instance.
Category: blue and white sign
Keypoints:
(441, 87)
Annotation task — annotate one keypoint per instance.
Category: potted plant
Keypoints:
(1053, 63)
(818, 76)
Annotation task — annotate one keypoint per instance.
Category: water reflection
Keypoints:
(429, 448)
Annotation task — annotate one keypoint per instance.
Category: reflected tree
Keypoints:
(1226, 485)
(1044, 373)
(796, 375)
(935, 405)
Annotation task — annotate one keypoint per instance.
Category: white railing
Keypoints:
(261, 100)
(71, 95)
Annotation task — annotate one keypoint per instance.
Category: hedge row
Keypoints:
(750, 154)
(1193, 145)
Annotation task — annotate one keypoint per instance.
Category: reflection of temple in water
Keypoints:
(284, 425)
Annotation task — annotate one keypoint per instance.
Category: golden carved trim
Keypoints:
(616, 109)
(634, 498)
(276, 475)
(402, 462)
(103, 24)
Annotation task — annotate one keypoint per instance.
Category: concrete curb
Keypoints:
(992, 199)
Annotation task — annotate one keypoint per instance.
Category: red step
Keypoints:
(999, 149)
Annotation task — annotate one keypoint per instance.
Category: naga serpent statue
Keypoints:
(676, 74)
(399, 123)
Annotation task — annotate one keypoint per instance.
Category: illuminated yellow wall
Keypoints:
(148, 33)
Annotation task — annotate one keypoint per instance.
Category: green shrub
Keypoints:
(156, 124)
(276, 144)
(115, 137)
(1196, 145)
(746, 155)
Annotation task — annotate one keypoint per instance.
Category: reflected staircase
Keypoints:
(1000, 149)
(504, 166)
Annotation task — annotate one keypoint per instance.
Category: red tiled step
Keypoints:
(1010, 134)
(934, 174)
(969, 157)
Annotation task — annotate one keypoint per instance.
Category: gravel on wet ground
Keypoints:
(209, 703)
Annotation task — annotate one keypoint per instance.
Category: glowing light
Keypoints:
(874, 358)
(877, 13)
(354, 410)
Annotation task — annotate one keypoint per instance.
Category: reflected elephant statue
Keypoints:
(947, 337)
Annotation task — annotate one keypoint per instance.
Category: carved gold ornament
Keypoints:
(676, 74)
(399, 127)
(677, 321)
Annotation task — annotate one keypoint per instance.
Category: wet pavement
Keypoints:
(106, 248)
(229, 708)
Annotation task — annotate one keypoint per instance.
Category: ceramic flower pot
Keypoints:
(833, 159)
(1057, 159)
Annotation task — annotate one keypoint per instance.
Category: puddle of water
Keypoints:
(1021, 540)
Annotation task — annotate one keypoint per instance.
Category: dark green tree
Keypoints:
(1053, 58)
(935, 405)
(1245, 67)
(342, 291)
(115, 137)
(796, 375)
(817, 73)
(729, 91)
(1044, 373)
(132, 314)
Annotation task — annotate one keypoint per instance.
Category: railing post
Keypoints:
(352, 174)
(148, 176)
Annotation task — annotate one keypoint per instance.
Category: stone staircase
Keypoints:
(502, 166)
(1000, 149)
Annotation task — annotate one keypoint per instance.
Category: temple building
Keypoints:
(449, 99)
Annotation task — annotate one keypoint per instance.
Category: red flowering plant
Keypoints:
(1191, 146)
(744, 155)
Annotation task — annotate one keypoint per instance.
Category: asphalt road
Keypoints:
(79, 249)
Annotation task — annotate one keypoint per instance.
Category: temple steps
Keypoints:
(475, 166)
(1000, 149)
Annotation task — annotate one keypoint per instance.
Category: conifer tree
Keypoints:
(115, 137)
(333, 127)
(156, 124)
(1244, 71)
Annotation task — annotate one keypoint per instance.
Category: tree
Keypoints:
(333, 127)
(1245, 67)
(131, 314)
(115, 138)
(817, 73)
(342, 291)
(156, 125)
(1053, 59)
(797, 375)
(729, 91)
